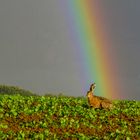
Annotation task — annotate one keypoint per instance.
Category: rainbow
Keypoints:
(92, 43)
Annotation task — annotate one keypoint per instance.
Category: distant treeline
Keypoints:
(11, 90)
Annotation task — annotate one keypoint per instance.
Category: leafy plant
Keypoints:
(62, 117)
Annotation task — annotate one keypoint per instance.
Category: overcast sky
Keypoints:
(35, 53)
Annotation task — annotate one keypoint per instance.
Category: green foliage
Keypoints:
(62, 117)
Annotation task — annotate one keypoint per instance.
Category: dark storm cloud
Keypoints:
(35, 52)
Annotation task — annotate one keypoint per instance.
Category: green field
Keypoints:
(61, 117)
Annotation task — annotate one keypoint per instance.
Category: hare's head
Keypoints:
(89, 94)
(92, 87)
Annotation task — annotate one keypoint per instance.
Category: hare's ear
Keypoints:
(91, 85)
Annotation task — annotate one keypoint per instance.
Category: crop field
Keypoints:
(61, 117)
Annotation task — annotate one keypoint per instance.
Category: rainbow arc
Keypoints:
(91, 41)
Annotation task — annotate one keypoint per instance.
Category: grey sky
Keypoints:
(35, 52)
(124, 24)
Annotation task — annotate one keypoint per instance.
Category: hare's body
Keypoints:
(106, 104)
(93, 101)
(96, 101)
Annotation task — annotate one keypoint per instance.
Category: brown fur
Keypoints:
(96, 101)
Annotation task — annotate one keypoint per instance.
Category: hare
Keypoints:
(96, 101)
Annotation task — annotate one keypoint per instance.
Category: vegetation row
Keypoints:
(61, 117)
